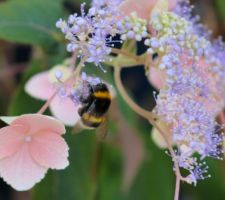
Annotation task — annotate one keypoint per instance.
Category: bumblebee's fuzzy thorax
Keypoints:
(95, 104)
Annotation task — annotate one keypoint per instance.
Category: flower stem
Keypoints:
(75, 74)
(222, 119)
(79, 67)
(134, 106)
(46, 105)
(73, 60)
(127, 54)
(151, 117)
(177, 189)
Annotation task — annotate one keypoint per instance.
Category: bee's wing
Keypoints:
(102, 130)
(79, 127)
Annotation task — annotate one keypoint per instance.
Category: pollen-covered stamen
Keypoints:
(90, 79)
(214, 148)
(59, 73)
(82, 89)
(103, 3)
(185, 10)
(198, 173)
(185, 161)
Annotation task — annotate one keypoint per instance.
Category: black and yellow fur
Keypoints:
(95, 105)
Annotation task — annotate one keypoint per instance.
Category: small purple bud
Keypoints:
(130, 34)
(58, 75)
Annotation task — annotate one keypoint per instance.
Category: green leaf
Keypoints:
(30, 21)
(110, 173)
(220, 5)
(21, 102)
(155, 179)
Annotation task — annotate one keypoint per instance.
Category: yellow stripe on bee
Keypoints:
(102, 95)
(93, 119)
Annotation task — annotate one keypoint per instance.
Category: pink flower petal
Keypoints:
(39, 86)
(49, 150)
(37, 122)
(143, 8)
(10, 141)
(65, 110)
(20, 171)
(172, 4)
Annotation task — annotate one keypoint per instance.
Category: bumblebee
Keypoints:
(95, 105)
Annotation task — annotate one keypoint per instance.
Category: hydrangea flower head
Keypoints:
(91, 35)
(190, 94)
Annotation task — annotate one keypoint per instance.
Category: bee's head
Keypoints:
(83, 88)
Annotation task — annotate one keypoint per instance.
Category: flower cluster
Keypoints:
(91, 35)
(191, 96)
(102, 3)
(175, 33)
(133, 27)
(81, 87)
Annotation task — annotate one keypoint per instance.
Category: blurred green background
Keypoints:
(128, 165)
